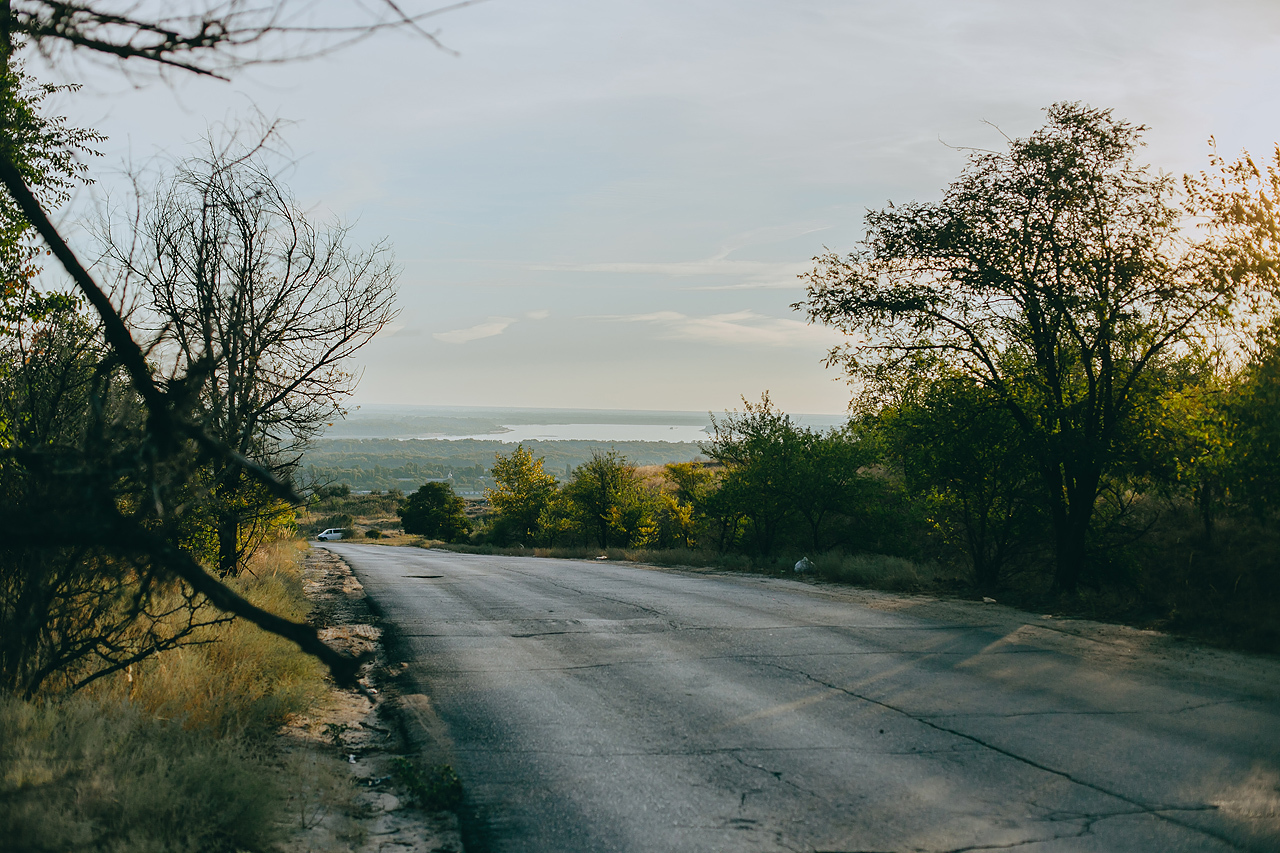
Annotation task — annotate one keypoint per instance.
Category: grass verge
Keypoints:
(175, 754)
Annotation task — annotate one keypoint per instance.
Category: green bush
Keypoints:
(435, 789)
(435, 512)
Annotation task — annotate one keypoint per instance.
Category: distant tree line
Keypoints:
(767, 485)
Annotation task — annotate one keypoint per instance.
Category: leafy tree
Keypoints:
(436, 512)
(47, 153)
(1238, 202)
(828, 479)
(778, 474)
(523, 493)
(1054, 276)
(759, 449)
(1255, 447)
(693, 484)
(612, 503)
(961, 450)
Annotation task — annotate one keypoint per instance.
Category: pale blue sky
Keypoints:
(605, 205)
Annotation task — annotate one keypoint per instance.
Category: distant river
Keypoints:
(590, 432)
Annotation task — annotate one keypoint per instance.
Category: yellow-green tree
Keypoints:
(523, 493)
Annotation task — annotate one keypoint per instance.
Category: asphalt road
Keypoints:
(600, 707)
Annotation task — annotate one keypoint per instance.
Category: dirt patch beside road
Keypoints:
(360, 769)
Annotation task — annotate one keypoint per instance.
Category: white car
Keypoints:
(330, 534)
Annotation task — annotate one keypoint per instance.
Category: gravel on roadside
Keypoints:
(362, 759)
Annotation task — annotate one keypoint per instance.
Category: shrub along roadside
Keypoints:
(238, 681)
(175, 754)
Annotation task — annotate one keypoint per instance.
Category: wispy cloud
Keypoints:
(540, 314)
(494, 326)
(738, 328)
(718, 265)
(756, 274)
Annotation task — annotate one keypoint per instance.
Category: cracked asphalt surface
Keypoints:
(603, 706)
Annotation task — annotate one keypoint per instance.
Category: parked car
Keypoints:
(330, 534)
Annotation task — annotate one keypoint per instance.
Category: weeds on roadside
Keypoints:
(237, 680)
(438, 788)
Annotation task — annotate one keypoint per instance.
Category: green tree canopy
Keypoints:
(776, 471)
(960, 449)
(523, 492)
(1054, 275)
(611, 503)
(47, 152)
(436, 512)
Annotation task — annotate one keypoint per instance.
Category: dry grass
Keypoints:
(878, 571)
(239, 680)
(79, 774)
(176, 754)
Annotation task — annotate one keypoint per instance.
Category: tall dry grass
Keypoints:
(237, 680)
(81, 774)
(175, 754)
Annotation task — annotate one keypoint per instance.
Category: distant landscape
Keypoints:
(383, 447)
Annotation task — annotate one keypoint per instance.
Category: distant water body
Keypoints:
(511, 426)
(517, 433)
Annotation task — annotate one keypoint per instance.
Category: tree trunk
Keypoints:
(228, 545)
(1069, 550)
(1072, 501)
(1071, 532)
(1204, 497)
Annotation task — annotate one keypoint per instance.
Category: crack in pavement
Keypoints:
(776, 774)
(1142, 808)
(1090, 821)
(1082, 713)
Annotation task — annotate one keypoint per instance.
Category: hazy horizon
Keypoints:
(516, 424)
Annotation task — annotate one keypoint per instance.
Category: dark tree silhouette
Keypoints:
(131, 495)
(269, 305)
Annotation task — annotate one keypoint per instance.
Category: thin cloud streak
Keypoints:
(740, 328)
(495, 326)
(708, 266)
